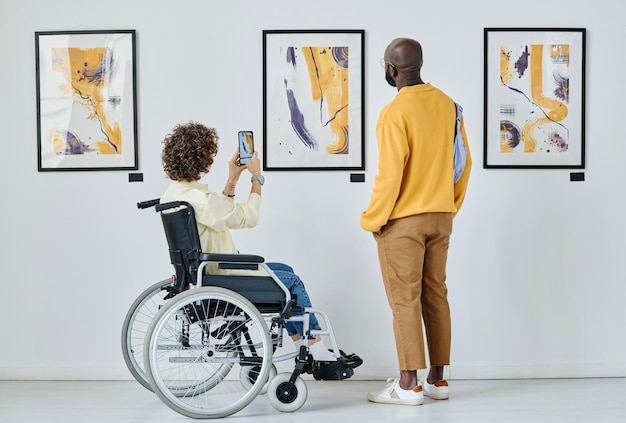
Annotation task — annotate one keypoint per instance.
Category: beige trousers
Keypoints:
(413, 252)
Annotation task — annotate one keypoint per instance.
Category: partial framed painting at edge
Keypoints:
(313, 100)
(534, 98)
(86, 100)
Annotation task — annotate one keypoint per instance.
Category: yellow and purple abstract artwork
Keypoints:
(87, 74)
(538, 77)
(327, 69)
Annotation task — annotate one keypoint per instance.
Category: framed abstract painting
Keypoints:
(86, 100)
(313, 94)
(534, 98)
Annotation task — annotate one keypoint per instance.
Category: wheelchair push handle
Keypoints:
(160, 207)
(147, 204)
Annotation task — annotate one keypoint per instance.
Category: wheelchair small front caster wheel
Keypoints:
(248, 375)
(284, 395)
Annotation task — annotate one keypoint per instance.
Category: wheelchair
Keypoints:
(206, 340)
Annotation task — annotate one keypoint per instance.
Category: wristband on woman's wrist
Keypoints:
(259, 178)
(228, 195)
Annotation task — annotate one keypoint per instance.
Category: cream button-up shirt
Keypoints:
(215, 214)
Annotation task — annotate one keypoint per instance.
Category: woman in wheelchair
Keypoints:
(188, 154)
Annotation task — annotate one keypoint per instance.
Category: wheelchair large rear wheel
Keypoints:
(136, 323)
(196, 347)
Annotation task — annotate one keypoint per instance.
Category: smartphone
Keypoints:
(246, 146)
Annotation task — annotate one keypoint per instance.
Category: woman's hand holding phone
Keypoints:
(254, 165)
(234, 168)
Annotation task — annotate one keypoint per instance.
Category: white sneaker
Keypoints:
(438, 391)
(393, 394)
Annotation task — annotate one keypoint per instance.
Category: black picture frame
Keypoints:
(534, 104)
(86, 100)
(313, 100)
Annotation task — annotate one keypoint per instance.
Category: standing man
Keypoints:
(410, 213)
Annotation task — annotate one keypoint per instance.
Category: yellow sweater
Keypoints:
(415, 135)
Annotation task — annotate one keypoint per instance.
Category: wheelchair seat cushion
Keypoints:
(262, 291)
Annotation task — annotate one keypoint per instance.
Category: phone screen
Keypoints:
(246, 146)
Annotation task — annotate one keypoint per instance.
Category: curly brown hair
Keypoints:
(188, 151)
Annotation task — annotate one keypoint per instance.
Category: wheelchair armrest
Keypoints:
(231, 258)
(233, 261)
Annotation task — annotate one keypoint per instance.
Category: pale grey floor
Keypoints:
(501, 401)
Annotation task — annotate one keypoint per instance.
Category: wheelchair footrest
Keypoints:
(328, 370)
(331, 370)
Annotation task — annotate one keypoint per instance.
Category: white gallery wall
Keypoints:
(536, 274)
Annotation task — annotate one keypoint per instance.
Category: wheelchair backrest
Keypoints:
(181, 231)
